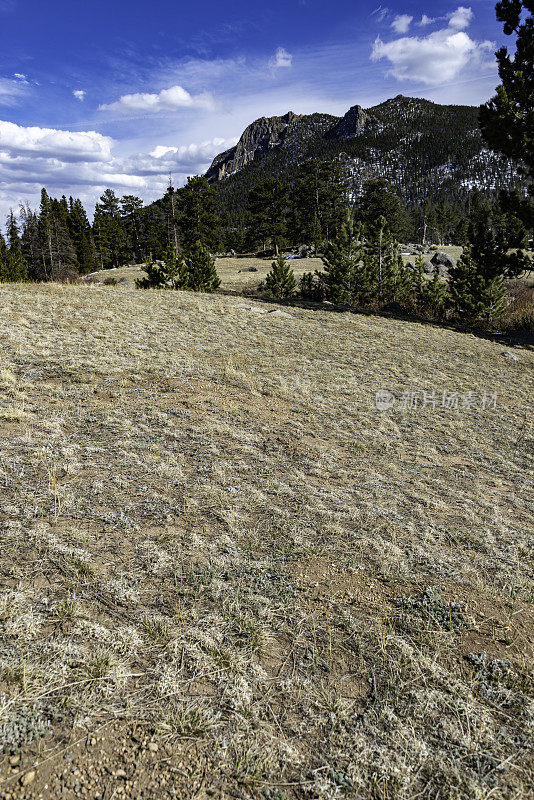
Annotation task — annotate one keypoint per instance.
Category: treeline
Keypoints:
(311, 208)
(363, 268)
(57, 241)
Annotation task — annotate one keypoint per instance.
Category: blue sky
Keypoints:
(97, 94)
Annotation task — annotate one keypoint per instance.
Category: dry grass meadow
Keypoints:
(225, 574)
(234, 273)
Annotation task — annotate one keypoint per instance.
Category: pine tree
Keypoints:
(111, 238)
(318, 201)
(156, 276)
(345, 277)
(475, 294)
(428, 296)
(177, 269)
(31, 243)
(172, 273)
(197, 214)
(379, 200)
(81, 236)
(280, 281)
(201, 273)
(267, 206)
(4, 255)
(45, 224)
(130, 213)
(389, 279)
(14, 269)
(507, 120)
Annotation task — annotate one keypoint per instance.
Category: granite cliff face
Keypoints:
(261, 136)
(351, 124)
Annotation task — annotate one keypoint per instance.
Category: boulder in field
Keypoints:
(440, 259)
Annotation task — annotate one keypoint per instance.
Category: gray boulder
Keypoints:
(249, 269)
(443, 260)
(428, 267)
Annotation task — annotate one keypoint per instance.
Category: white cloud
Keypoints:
(281, 59)
(380, 13)
(83, 164)
(437, 58)
(167, 100)
(79, 94)
(461, 18)
(50, 143)
(20, 77)
(401, 23)
(425, 20)
(11, 90)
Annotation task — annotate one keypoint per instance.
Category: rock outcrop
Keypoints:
(262, 135)
(350, 125)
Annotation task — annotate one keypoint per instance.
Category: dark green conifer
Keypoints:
(201, 273)
(280, 282)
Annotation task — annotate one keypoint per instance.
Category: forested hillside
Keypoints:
(428, 152)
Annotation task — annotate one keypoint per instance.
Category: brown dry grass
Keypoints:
(225, 573)
(232, 271)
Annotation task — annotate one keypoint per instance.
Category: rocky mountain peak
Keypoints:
(350, 125)
(260, 136)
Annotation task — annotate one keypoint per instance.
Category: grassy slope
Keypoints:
(224, 571)
(231, 273)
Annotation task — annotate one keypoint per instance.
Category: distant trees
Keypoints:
(379, 200)
(267, 207)
(319, 200)
(507, 120)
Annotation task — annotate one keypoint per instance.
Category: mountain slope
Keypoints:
(427, 151)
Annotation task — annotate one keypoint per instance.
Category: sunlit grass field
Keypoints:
(226, 573)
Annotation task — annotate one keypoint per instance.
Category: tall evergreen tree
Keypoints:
(12, 267)
(345, 276)
(32, 245)
(318, 202)
(130, 208)
(4, 255)
(111, 238)
(507, 120)
(81, 235)
(197, 215)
